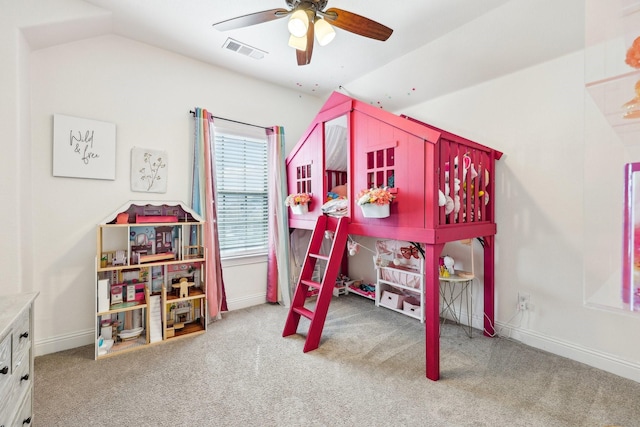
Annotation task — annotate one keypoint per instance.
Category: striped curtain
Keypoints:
(278, 289)
(203, 203)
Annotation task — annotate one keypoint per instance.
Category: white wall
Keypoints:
(537, 117)
(49, 242)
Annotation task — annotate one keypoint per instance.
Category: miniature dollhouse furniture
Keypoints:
(164, 239)
(119, 258)
(159, 245)
(445, 191)
(16, 359)
(182, 287)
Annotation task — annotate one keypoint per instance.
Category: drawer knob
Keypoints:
(25, 377)
(24, 335)
(4, 371)
(26, 421)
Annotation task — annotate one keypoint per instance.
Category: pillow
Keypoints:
(340, 190)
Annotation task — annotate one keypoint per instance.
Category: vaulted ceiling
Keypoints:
(437, 46)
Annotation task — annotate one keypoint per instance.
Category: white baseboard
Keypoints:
(63, 342)
(596, 359)
(86, 337)
(246, 301)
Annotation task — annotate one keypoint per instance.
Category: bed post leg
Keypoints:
(432, 310)
(489, 285)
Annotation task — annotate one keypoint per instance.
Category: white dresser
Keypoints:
(16, 359)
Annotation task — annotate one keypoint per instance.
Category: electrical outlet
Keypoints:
(524, 300)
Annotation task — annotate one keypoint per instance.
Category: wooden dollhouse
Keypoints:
(444, 187)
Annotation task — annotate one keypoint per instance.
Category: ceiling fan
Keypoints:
(308, 18)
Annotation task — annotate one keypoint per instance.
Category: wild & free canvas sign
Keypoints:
(83, 148)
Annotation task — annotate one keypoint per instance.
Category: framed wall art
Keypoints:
(83, 148)
(148, 170)
(631, 239)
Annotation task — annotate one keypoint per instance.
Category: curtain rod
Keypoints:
(193, 113)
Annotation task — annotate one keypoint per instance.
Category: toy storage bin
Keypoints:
(340, 288)
(412, 306)
(392, 300)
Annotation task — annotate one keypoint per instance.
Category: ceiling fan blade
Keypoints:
(357, 24)
(251, 19)
(301, 57)
(304, 56)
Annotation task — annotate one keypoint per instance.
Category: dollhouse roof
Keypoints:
(155, 208)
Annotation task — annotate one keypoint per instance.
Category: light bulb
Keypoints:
(396, 261)
(352, 252)
(299, 43)
(298, 23)
(324, 32)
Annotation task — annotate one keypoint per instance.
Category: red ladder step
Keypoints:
(318, 315)
(318, 256)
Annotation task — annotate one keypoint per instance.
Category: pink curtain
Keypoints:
(203, 202)
(278, 289)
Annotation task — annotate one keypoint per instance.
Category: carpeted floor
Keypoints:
(368, 371)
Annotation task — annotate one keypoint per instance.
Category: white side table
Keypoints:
(452, 291)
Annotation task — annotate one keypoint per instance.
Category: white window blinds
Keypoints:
(241, 185)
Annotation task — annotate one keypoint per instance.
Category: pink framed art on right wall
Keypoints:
(631, 240)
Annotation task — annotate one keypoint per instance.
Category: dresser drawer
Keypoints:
(22, 375)
(16, 355)
(7, 404)
(21, 333)
(5, 361)
(24, 417)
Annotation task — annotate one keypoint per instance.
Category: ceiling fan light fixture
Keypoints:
(324, 32)
(298, 23)
(299, 43)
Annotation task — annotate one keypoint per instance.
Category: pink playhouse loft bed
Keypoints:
(444, 186)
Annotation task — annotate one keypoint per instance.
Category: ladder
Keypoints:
(325, 287)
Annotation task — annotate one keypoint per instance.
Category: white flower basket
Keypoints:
(299, 209)
(372, 210)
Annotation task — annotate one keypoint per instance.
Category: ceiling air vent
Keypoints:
(243, 49)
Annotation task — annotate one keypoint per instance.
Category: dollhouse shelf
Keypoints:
(124, 306)
(155, 258)
(139, 259)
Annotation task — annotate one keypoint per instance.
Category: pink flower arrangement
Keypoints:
(633, 54)
(297, 199)
(632, 108)
(378, 196)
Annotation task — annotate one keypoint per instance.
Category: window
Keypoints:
(303, 179)
(380, 168)
(241, 180)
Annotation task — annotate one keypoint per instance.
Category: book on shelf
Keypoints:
(155, 319)
(103, 295)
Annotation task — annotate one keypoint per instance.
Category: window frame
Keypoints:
(244, 134)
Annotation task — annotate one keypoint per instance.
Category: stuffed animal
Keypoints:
(444, 199)
(453, 204)
(467, 166)
(450, 204)
(353, 247)
(448, 264)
